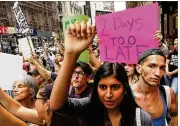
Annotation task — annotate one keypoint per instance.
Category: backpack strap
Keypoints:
(138, 116)
(165, 90)
(161, 88)
(168, 95)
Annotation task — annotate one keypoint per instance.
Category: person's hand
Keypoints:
(158, 36)
(56, 38)
(31, 59)
(90, 49)
(169, 74)
(78, 37)
(45, 46)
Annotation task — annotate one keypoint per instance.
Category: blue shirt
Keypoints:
(161, 120)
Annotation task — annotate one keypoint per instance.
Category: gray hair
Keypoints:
(29, 81)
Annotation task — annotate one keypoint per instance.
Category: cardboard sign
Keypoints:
(20, 18)
(98, 12)
(10, 68)
(126, 34)
(24, 46)
(71, 20)
(84, 56)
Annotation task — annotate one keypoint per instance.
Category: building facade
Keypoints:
(107, 6)
(68, 8)
(41, 16)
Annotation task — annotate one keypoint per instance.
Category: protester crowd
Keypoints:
(56, 90)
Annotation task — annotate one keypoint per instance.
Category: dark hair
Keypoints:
(45, 91)
(127, 106)
(169, 37)
(150, 52)
(85, 67)
(136, 74)
(96, 49)
(58, 52)
(33, 72)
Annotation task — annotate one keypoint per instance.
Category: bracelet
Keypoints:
(173, 113)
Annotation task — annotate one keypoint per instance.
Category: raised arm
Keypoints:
(59, 44)
(7, 119)
(18, 110)
(78, 38)
(42, 71)
(94, 61)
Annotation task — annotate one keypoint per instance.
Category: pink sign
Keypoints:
(126, 34)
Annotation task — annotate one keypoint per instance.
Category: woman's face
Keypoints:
(176, 44)
(130, 68)
(21, 91)
(96, 53)
(111, 92)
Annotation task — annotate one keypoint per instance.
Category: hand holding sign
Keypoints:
(31, 59)
(158, 36)
(78, 37)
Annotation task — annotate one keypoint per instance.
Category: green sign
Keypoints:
(84, 56)
(71, 20)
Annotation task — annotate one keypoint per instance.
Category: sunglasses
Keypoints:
(39, 98)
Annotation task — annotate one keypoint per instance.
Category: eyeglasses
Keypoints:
(78, 73)
(39, 98)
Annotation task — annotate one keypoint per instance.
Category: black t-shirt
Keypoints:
(173, 64)
(86, 93)
(53, 76)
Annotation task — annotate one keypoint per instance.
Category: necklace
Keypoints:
(159, 101)
(145, 98)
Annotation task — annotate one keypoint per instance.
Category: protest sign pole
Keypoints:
(29, 42)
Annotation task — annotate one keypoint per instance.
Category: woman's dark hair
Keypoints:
(126, 107)
(135, 71)
(45, 91)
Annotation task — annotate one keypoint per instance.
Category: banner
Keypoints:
(71, 20)
(10, 68)
(126, 34)
(11, 30)
(98, 12)
(3, 29)
(20, 18)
